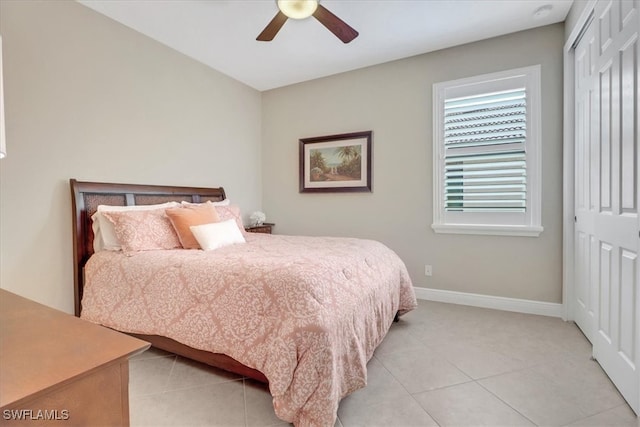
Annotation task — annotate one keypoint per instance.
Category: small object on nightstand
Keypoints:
(258, 218)
(264, 228)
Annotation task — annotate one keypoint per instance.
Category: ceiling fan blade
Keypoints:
(272, 28)
(334, 24)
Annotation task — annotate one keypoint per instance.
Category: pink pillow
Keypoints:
(231, 212)
(143, 230)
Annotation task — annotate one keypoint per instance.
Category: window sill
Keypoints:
(494, 230)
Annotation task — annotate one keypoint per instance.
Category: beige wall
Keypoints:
(88, 98)
(394, 100)
(91, 99)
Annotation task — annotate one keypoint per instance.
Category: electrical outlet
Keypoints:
(428, 270)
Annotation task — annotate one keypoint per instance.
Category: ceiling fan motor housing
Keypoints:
(301, 9)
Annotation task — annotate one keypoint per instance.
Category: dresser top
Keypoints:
(42, 348)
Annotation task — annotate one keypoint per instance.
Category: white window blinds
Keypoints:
(484, 152)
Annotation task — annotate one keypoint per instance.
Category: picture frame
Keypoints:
(336, 163)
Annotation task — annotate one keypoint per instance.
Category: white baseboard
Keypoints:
(488, 301)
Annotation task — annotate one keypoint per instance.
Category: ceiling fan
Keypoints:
(301, 9)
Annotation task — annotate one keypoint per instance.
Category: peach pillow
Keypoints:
(143, 230)
(190, 215)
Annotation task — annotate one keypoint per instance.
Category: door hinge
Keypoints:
(575, 219)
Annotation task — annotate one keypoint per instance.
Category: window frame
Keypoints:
(491, 223)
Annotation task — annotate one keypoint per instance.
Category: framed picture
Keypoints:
(336, 163)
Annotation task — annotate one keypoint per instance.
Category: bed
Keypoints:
(303, 314)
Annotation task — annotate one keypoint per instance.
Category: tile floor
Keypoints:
(441, 365)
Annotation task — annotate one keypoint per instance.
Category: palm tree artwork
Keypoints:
(336, 164)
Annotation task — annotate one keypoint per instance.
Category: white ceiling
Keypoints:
(222, 33)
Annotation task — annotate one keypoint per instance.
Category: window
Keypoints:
(486, 154)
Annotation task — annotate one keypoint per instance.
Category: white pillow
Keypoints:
(218, 234)
(225, 202)
(104, 235)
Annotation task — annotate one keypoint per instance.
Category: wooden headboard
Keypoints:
(86, 196)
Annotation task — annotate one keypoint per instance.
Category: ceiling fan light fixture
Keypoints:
(298, 9)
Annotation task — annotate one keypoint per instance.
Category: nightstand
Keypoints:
(264, 228)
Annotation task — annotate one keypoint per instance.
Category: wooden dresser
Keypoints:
(57, 369)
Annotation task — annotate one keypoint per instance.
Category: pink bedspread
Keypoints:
(307, 312)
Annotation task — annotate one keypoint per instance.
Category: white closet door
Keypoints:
(586, 111)
(607, 305)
